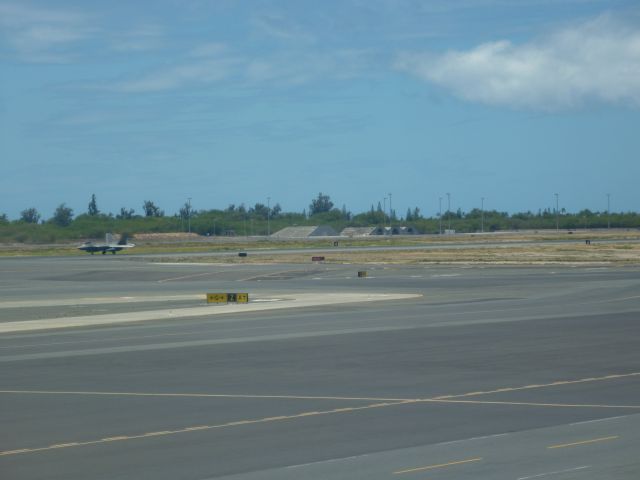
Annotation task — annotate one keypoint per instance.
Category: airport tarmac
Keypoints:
(436, 372)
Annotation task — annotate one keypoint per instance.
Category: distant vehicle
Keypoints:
(107, 246)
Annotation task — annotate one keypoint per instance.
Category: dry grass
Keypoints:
(498, 248)
(607, 254)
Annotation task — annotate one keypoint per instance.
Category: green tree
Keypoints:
(30, 215)
(151, 210)
(186, 211)
(3, 218)
(321, 204)
(346, 214)
(125, 214)
(93, 206)
(259, 210)
(62, 216)
(275, 210)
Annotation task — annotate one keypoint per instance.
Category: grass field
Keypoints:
(594, 254)
(620, 247)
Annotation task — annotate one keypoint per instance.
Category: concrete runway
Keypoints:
(492, 373)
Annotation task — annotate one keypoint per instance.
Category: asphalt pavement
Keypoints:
(482, 372)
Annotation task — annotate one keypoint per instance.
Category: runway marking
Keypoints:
(267, 275)
(54, 302)
(186, 276)
(532, 404)
(379, 403)
(618, 299)
(585, 442)
(206, 395)
(441, 465)
(441, 398)
(597, 420)
(555, 473)
(193, 428)
(544, 385)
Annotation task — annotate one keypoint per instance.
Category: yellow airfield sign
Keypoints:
(227, 298)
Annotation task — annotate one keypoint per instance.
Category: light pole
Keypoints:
(557, 220)
(189, 214)
(440, 215)
(214, 227)
(268, 216)
(482, 214)
(608, 211)
(384, 212)
(448, 211)
(390, 218)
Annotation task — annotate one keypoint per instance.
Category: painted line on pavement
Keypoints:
(308, 397)
(380, 403)
(441, 398)
(205, 395)
(269, 275)
(532, 404)
(193, 428)
(585, 442)
(293, 301)
(441, 465)
(55, 302)
(555, 473)
(535, 386)
(194, 275)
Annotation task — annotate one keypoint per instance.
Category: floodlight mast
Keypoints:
(557, 219)
(448, 211)
(268, 216)
(384, 212)
(189, 214)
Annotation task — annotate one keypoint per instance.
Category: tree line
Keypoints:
(260, 218)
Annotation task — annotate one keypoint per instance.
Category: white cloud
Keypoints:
(596, 60)
(188, 74)
(15, 15)
(213, 62)
(142, 38)
(298, 68)
(208, 50)
(277, 26)
(41, 35)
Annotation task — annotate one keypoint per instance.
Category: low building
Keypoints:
(359, 232)
(372, 231)
(305, 232)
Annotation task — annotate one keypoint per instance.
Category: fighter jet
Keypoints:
(108, 246)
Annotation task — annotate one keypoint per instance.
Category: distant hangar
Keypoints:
(327, 231)
(305, 232)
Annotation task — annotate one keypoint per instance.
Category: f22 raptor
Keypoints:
(108, 246)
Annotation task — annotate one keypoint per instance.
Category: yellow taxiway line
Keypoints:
(585, 442)
(441, 465)
(379, 403)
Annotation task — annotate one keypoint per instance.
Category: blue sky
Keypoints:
(236, 101)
